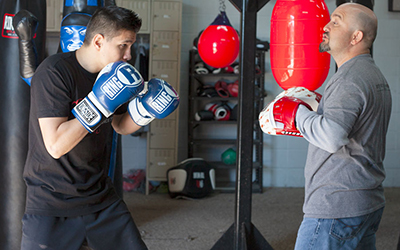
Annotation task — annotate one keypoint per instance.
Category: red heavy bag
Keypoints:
(296, 32)
(219, 43)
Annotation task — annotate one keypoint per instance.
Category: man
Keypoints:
(70, 198)
(344, 197)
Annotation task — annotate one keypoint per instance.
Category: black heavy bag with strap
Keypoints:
(76, 16)
(192, 178)
(15, 98)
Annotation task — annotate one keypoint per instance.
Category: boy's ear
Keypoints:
(98, 41)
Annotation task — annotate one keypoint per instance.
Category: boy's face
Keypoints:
(118, 48)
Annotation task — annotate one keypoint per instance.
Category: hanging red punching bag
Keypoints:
(219, 43)
(296, 32)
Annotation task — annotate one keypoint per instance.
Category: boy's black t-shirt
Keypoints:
(77, 183)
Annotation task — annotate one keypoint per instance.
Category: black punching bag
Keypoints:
(367, 3)
(76, 14)
(14, 113)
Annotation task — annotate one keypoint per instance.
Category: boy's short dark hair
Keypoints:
(110, 20)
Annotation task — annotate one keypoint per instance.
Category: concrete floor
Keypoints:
(168, 224)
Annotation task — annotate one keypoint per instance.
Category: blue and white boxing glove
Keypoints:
(116, 84)
(159, 101)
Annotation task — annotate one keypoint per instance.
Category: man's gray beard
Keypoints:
(324, 47)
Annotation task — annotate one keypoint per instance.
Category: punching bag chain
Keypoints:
(222, 6)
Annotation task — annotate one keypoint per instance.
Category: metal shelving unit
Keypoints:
(200, 140)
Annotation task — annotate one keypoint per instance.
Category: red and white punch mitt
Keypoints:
(220, 110)
(278, 117)
(310, 97)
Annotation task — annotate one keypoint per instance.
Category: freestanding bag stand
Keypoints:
(243, 234)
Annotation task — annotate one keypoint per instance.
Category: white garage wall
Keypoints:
(284, 157)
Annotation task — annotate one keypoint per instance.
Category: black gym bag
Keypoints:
(192, 178)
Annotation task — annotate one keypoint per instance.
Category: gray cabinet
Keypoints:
(165, 47)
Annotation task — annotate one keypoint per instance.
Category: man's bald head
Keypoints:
(363, 19)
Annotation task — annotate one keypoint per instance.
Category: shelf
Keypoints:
(220, 164)
(205, 98)
(214, 141)
(225, 186)
(199, 137)
(220, 141)
(221, 75)
(214, 122)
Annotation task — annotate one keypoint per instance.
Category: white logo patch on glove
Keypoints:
(124, 75)
(163, 99)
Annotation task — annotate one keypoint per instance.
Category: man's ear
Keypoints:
(97, 41)
(357, 37)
